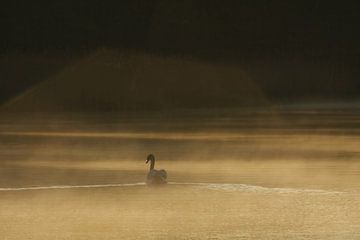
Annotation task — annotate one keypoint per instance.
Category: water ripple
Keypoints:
(234, 187)
(230, 187)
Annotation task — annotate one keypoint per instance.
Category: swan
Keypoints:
(155, 176)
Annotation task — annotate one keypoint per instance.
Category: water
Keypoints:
(279, 174)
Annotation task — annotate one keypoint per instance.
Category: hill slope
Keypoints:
(109, 81)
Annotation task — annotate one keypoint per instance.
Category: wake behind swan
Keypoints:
(71, 186)
(229, 187)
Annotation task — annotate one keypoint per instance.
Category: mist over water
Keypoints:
(290, 173)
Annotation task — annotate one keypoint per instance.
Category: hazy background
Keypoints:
(288, 50)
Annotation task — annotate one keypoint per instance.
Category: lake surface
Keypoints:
(289, 173)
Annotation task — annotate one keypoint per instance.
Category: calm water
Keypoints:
(236, 174)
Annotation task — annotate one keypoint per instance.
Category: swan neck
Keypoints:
(152, 164)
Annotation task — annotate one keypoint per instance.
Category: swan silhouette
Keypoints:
(155, 176)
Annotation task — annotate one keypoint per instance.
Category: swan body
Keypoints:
(155, 176)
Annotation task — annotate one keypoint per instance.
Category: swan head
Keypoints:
(150, 157)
